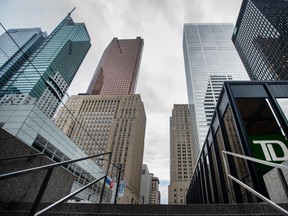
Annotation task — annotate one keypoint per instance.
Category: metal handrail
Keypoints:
(21, 156)
(44, 167)
(68, 196)
(279, 166)
(50, 168)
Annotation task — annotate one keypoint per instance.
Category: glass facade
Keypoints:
(48, 73)
(12, 57)
(260, 37)
(210, 59)
(250, 119)
(29, 124)
(118, 69)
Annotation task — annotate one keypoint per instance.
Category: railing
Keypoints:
(21, 156)
(50, 168)
(278, 166)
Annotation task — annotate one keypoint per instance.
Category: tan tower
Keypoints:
(181, 158)
(107, 123)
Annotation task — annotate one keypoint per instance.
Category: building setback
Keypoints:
(260, 37)
(50, 70)
(109, 123)
(118, 69)
(16, 46)
(210, 59)
(251, 118)
(181, 157)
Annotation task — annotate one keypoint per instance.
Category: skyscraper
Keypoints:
(13, 56)
(260, 37)
(181, 158)
(210, 59)
(109, 123)
(47, 74)
(117, 71)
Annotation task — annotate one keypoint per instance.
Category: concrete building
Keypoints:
(33, 132)
(117, 71)
(251, 118)
(16, 46)
(210, 59)
(260, 37)
(181, 157)
(155, 196)
(49, 71)
(145, 188)
(104, 123)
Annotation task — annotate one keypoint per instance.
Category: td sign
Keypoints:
(272, 148)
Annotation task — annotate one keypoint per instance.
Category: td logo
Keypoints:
(268, 147)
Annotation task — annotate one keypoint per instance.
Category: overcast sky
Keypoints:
(161, 81)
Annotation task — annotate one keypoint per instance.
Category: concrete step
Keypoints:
(75, 209)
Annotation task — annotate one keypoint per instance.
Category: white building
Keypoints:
(210, 59)
(145, 184)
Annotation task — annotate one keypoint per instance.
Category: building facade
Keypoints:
(109, 123)
(47, 74)
(145, 189)
(155, 196)
(26, 122)
(117, 71)
(16, 46)
(210, 59)
(260, 37)
(251, 118)
(181, 156)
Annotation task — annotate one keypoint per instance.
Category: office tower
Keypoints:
(155, 196)
(181, 157)
(50, 70)
(145, 188)
(16, 46)
(109, 123)
(251, 120)
(210, 59)
(117, 71)
(261, 39)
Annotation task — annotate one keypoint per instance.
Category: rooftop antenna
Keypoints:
(69, 14)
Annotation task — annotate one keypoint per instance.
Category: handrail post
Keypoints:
(41, 192)
(104, 184)
(117, 188)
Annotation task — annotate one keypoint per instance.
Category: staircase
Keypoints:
(81, 209)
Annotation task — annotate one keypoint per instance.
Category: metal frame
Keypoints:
(279, 166)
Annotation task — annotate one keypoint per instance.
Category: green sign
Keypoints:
(273, 148)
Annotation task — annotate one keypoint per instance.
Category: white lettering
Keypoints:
(269, 152)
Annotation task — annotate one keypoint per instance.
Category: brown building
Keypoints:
(181, 158)
(117, 71)
(107, 123)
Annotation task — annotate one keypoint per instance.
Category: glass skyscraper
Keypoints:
(260, 37)
(210, 59)
(12, 57)
(47, 74)
(117, 71)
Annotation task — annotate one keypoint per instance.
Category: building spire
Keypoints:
(69, 14)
